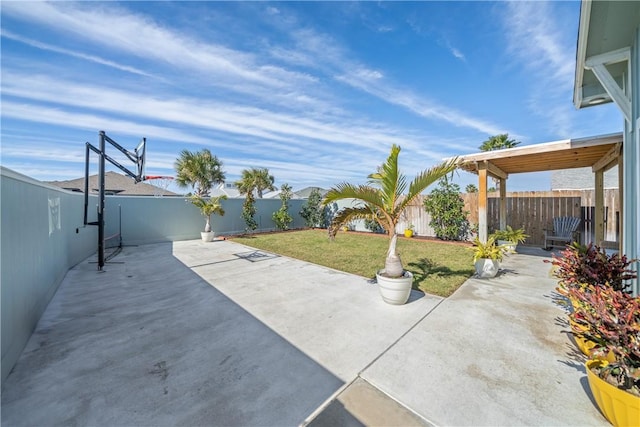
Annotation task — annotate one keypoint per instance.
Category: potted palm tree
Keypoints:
(209, 207)
(384, 200)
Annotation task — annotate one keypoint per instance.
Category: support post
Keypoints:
(482, 202)
(620, 201)
(503, 203)
(599, 214)
(101, 202)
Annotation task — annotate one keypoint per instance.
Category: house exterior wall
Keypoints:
(38, 243)
(581, 179)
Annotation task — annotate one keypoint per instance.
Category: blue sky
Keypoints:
(315, 91)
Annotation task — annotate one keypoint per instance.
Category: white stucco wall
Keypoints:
(38, 245)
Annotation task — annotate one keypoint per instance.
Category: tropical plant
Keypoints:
(487, 250)
(200, 170)
(209, 207)
(384, 201)
(511, 235)
(611, 320)
(281, 217)
(312, 211)
(256, 180)
(446, 208)
(471, 188)
(498, 142)
(579, 264)
(249, 212)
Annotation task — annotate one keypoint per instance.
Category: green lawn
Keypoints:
(438, 268)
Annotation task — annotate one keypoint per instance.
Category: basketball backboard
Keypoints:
(141, 159)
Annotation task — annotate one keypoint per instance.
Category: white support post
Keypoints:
(482, 202)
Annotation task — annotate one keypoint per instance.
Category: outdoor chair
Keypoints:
(565, 230)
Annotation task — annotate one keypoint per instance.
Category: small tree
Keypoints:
(446, 207)
(199, 170)
(281, 217)
(248, 213)
(498, 142)
(471, 188)
(313, 211)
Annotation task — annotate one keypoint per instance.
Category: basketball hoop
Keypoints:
(160, 184)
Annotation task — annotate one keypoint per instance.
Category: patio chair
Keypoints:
(565, 230)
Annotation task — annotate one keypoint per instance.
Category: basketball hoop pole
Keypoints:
(136, 157)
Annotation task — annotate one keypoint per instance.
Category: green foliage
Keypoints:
(281, 217)
(313, 212)
(373, 226)
(208, 207)
(255, 181)
(384, 199)
(511, 235)
(488, 250)
(471, 188)
(248, 213)
(199, 170)
(498, 142)
(446, 208)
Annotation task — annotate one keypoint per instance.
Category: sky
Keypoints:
(317, 92)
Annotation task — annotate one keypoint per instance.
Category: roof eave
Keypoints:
(581, 51)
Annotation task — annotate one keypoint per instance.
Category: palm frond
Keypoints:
(365, 193)
(347, 215)
(427, 177)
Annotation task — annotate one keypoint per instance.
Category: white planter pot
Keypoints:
(207, 236)
(394, 290)
(511, 247)
(486, 268)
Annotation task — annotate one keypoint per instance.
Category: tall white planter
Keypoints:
(487, 268)
(207, 236)
(394, 290)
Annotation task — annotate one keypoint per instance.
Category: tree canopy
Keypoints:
(498, 142)
(255, 180)
(200, 170)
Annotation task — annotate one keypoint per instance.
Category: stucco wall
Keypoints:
(39, 244)
(158, 219)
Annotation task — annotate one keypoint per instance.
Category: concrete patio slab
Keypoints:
(251, 339)
(494, 353)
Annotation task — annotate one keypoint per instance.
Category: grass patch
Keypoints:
(438, 268)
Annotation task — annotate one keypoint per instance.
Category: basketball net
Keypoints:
(160, 184)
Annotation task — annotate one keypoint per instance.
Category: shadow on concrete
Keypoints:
(149, 342)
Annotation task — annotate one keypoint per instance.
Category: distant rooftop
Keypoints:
(115, 183)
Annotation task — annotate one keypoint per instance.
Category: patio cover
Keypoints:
(608, 69)
(599, 152)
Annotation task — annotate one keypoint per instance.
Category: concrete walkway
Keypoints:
(188, 333)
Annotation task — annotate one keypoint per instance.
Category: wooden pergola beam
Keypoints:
(609, 160)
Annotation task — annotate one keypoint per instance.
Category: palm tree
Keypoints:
(255, 180)
(384, 201)
(200, 170)
(498, 142)
(208, 208)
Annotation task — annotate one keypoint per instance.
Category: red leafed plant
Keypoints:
(611, 319)
(579, 264)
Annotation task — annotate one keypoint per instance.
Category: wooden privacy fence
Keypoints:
(532, 210)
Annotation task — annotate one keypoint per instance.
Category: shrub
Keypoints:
(446, 207)
(580, 264)
(313, 212)
(281, 217)
(248, 213)
(373, 226)
(611, 319)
